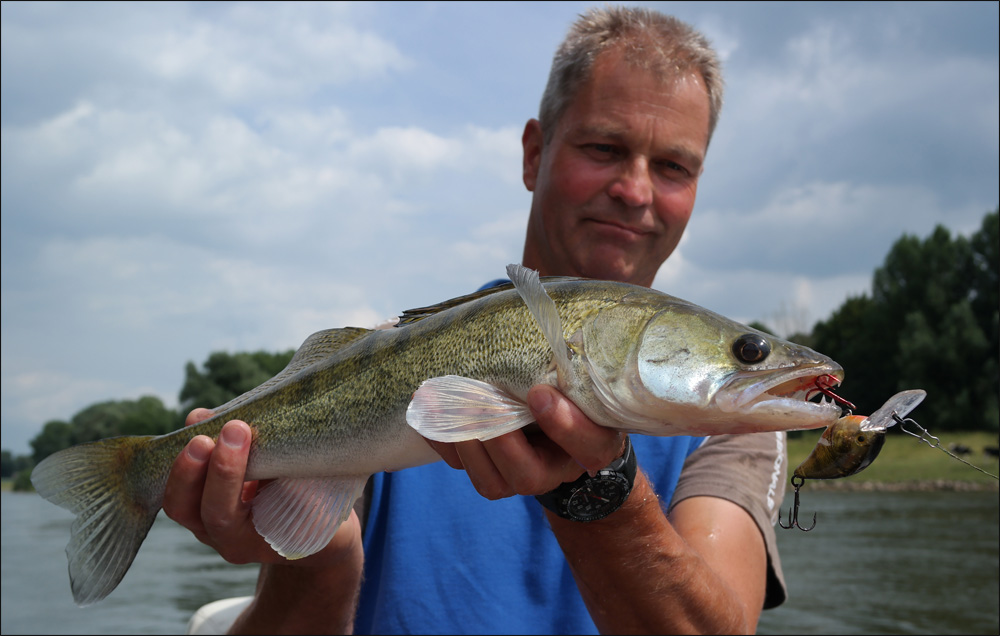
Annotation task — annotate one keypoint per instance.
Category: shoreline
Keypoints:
(923, 485)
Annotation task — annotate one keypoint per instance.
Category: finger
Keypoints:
(592, 446)
(448, 453)
(198, 415)
(481, 470)
(531, 467)
(223, 510)
(182, 496)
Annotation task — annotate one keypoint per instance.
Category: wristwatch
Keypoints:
(592, 498)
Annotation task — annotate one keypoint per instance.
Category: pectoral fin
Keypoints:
(452, 408)
(299, 517)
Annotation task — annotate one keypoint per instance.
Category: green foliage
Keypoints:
(56, 435)
(145, 416)
(908, 459)
(226, 376)
(22, 482)
(6, 464)
(11, 465)
(931, 323)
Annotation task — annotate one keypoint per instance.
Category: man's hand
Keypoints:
(528, 463)
(206, 494)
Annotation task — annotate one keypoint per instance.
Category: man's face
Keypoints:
(615, 186)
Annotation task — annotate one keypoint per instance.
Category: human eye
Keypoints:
(602, 151)
(673, 170)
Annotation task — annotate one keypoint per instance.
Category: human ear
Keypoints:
(531, 141)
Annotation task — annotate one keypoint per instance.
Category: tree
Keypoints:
(930, 323)
(145, 416)
(226, 376)
(6, 464)
(854, 336)
(56, 435)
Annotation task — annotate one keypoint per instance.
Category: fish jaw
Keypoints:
(777, 399)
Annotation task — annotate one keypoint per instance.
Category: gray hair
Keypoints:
(650, 40)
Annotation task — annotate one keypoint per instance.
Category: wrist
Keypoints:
(297, 598)
(594, 497)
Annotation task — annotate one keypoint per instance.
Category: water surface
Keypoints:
(877, 563)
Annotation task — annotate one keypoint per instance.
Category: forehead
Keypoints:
(624, 97)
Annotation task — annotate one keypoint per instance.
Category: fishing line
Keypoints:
(923, 437)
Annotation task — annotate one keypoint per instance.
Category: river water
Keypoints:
(877, 563)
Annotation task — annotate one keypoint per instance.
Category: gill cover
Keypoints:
(684, 356)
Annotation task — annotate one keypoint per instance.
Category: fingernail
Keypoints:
(199, 452)
(233, 436)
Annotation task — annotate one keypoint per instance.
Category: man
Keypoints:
(613, 164)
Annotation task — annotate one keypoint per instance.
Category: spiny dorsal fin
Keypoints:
(316, 348)
(413, 315)
(545, 312)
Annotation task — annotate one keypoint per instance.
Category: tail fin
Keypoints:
(115, 489)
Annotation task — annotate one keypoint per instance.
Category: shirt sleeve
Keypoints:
(749, 470)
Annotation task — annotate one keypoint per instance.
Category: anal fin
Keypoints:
(299, 517)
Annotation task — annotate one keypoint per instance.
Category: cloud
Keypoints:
(785, 301)
(186, 57)
(179, 178)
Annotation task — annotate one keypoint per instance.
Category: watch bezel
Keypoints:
(603, 479)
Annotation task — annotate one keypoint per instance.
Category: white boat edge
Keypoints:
(216, 617)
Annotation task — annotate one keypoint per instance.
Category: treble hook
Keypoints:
(793, 518)
(824, 384)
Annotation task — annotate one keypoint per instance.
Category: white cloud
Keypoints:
(179, 177)
(816, 228)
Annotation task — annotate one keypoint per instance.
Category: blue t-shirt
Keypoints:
(442, 559)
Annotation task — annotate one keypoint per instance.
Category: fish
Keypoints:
(853, 442)
(355, 401)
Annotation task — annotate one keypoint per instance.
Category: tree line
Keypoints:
(930, 322)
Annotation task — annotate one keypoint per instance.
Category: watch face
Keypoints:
(598, 497)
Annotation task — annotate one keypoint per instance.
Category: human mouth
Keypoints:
(619, 229)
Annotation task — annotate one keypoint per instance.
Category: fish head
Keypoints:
(845, 448)
(694, 372)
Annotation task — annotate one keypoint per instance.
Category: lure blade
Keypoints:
(900, 404)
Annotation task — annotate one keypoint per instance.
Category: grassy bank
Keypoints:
(906, 462)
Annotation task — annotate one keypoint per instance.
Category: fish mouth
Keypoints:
(784, 394)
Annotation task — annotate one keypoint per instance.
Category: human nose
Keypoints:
(633, 185)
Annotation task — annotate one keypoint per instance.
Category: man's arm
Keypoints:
(701, 570)
(206, 493)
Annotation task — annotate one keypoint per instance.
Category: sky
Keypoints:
(183, 178)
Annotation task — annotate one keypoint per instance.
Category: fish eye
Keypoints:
(751, 348)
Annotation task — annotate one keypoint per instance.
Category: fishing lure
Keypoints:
(849, 445)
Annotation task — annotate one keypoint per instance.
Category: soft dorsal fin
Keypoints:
(316, 348)
(545, 312)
